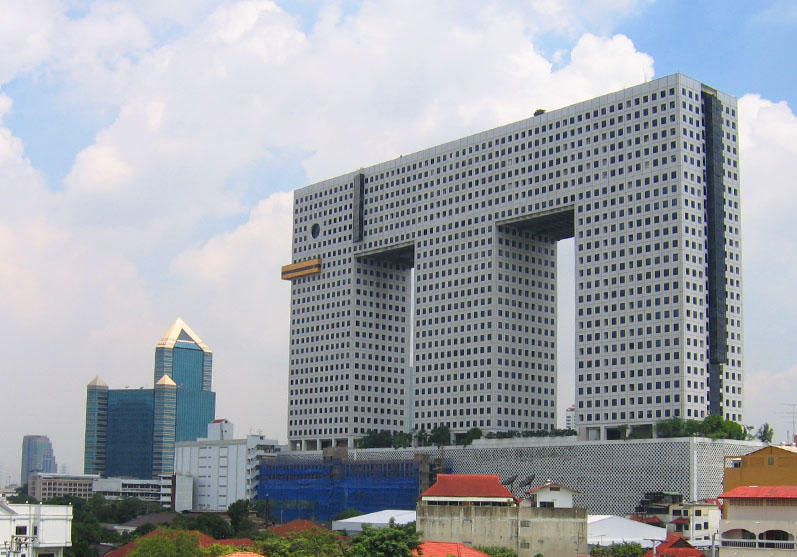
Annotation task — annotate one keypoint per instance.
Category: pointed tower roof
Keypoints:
(180, 331)
(166, 380)
(97, 382)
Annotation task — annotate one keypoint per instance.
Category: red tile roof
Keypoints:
(468, 485)
(443, 549)
(647, 519)
(294, 526)
(244, 554)
(675, 546)
(204, 541)
(761, 492)
(680, 520)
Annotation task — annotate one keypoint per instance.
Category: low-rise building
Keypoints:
(552, 495)
(758, 521)
(44, 486)
(674, 546)
(698, 520)
(34, 529)
(156, 490)
(772, 465)
(223, 469)
(476, 510)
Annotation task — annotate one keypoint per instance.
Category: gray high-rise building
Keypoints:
(464, 236)
(37, 456)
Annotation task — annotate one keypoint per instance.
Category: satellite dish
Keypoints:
(510, 480)
(528, 480)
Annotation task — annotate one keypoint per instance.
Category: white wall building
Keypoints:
(157, 490)
(35, 530)
(551, 494)
(645, 180)
(223, 469)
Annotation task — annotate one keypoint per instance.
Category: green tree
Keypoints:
(211, 524)
(401, 439)
(375, 440)
(672, 427)
(239, 517)
(441, 435)
(765, 433)
(313, 542)
(618, 550)
(472, 434)
(391, 541)
(169, 543)
(422, 437)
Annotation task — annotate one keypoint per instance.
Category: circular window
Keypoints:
(315, 230)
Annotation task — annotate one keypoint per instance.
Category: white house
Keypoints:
(551, 494)
(34, 530)
(222, 469)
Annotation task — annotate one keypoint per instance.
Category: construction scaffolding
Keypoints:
(320, 489)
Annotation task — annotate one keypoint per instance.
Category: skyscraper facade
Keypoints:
(183, 356)
(132, 432)
(130, 429)
(645, 180)
(96, 436)
(37, 456)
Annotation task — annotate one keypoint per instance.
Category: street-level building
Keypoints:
(696, 520)
(35, 530)
(222, 469)
(457, 243)
(157, 490)
(758, 521)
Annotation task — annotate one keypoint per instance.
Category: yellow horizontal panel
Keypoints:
(301, 269)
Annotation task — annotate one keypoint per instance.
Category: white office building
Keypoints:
(221, 468)
(646, 182)
(35, 529)
(157, 490)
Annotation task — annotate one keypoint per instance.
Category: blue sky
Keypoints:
(148, 151)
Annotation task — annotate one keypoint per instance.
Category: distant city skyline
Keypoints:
(37, 455)
(148, 153)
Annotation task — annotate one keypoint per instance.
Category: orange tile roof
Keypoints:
(761, 492)
(675, 546)
(443, 549)
(468, 485)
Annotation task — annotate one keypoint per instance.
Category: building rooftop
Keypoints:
(468, 485)
(97, 382)
(674, 546)
(443, 549)
(551, 483)
(761, 492)
(166, 380)
(180, 331)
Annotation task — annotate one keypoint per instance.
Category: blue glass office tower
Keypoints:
(96, 427)
(183, 356)
(128, 450)
(37, 456)
(132, 432)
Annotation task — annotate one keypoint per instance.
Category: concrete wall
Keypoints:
(524, 529)
(552, 532)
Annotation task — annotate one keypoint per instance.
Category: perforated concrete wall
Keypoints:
(612, 476)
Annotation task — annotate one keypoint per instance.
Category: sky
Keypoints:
(148, 151)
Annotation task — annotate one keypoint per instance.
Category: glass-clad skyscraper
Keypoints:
(183, 356)
(132, 432)
(37, 456)
(96, 427)
(128, 452)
